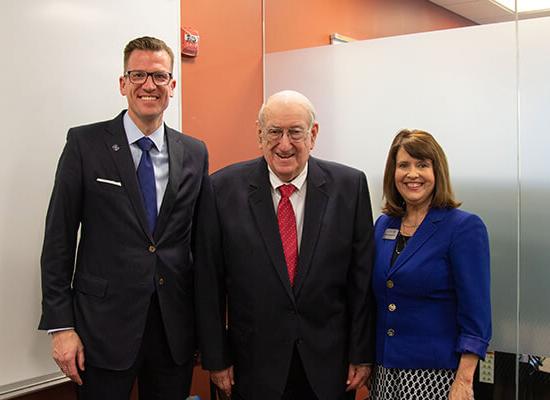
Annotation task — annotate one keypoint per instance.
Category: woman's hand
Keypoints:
(462, 387)
(461, 390)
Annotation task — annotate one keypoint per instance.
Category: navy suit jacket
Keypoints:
(327, 314)
(440, 288)
(105, 293)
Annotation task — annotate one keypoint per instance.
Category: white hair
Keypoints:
(287, 96)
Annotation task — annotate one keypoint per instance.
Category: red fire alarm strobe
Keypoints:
(189, 42)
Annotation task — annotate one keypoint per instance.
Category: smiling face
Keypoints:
(286, 157)
(147, 101)
(414, 179)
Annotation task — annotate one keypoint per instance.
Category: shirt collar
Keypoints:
(133, 133)
(298, 182)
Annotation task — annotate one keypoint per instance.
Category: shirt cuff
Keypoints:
(50, 331)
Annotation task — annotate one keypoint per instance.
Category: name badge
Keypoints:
(390, 234)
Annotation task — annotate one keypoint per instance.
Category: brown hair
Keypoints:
(420, 145)
(147, 43)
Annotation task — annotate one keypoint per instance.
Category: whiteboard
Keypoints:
(60, 67)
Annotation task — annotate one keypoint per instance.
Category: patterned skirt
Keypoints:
(411, 384)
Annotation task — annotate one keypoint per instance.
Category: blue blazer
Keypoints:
(433, 304)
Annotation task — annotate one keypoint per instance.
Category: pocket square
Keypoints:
(110, 182)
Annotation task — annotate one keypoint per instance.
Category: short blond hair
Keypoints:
(147, 43)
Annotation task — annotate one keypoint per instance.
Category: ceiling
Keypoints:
(484, 11)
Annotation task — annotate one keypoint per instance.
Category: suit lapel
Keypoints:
(261, 204)
(176, 155)
(425, 231)
(117, 144)
(314, 211)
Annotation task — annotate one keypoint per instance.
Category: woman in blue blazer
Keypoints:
(431, 279)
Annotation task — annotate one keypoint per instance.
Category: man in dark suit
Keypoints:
(125, 308)
(287, 258)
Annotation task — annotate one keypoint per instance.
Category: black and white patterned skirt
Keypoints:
(411, 384)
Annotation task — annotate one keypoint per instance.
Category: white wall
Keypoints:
(60, 66)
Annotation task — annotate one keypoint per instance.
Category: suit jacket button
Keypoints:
(392, 307)
(390, 332)
(389, 283)
(161, 281)
(152, 249)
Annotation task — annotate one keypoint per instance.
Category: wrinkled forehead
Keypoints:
(286, 113)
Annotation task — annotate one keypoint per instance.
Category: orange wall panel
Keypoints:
(222, 86)
(307, 23)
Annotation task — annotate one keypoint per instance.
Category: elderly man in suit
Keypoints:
(283, 276)
(125, 308)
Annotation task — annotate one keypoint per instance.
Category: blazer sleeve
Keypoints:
(60, 237)
(360, 294)
(469, 257)
(210, 296)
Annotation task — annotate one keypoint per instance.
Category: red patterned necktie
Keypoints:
(287, 230)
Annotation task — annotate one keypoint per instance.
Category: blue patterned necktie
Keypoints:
(146, 178)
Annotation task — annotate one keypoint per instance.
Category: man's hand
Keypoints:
(223, 379)
(357, 376)
(68, 352)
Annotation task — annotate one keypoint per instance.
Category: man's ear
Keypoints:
(314, 132)
(172, 87)
(122, 85)
(259, 130)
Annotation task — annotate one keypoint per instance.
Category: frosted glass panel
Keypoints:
(535, 186)
(460, 85)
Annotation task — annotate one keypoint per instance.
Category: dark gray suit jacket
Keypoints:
(327, 315)
(119, 264)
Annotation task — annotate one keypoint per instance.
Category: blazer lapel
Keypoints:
(425, 231)
(176, 156)
(117, 143)
(261, 204)
(314, 211)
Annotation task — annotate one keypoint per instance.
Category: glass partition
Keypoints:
(534, 271)
(480, 88)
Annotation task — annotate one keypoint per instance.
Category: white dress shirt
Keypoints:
(297, 199)
(158, 153)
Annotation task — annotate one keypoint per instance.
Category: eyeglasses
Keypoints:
(160, 78)
(293, 134)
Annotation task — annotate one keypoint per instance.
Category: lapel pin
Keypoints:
(115, 147)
